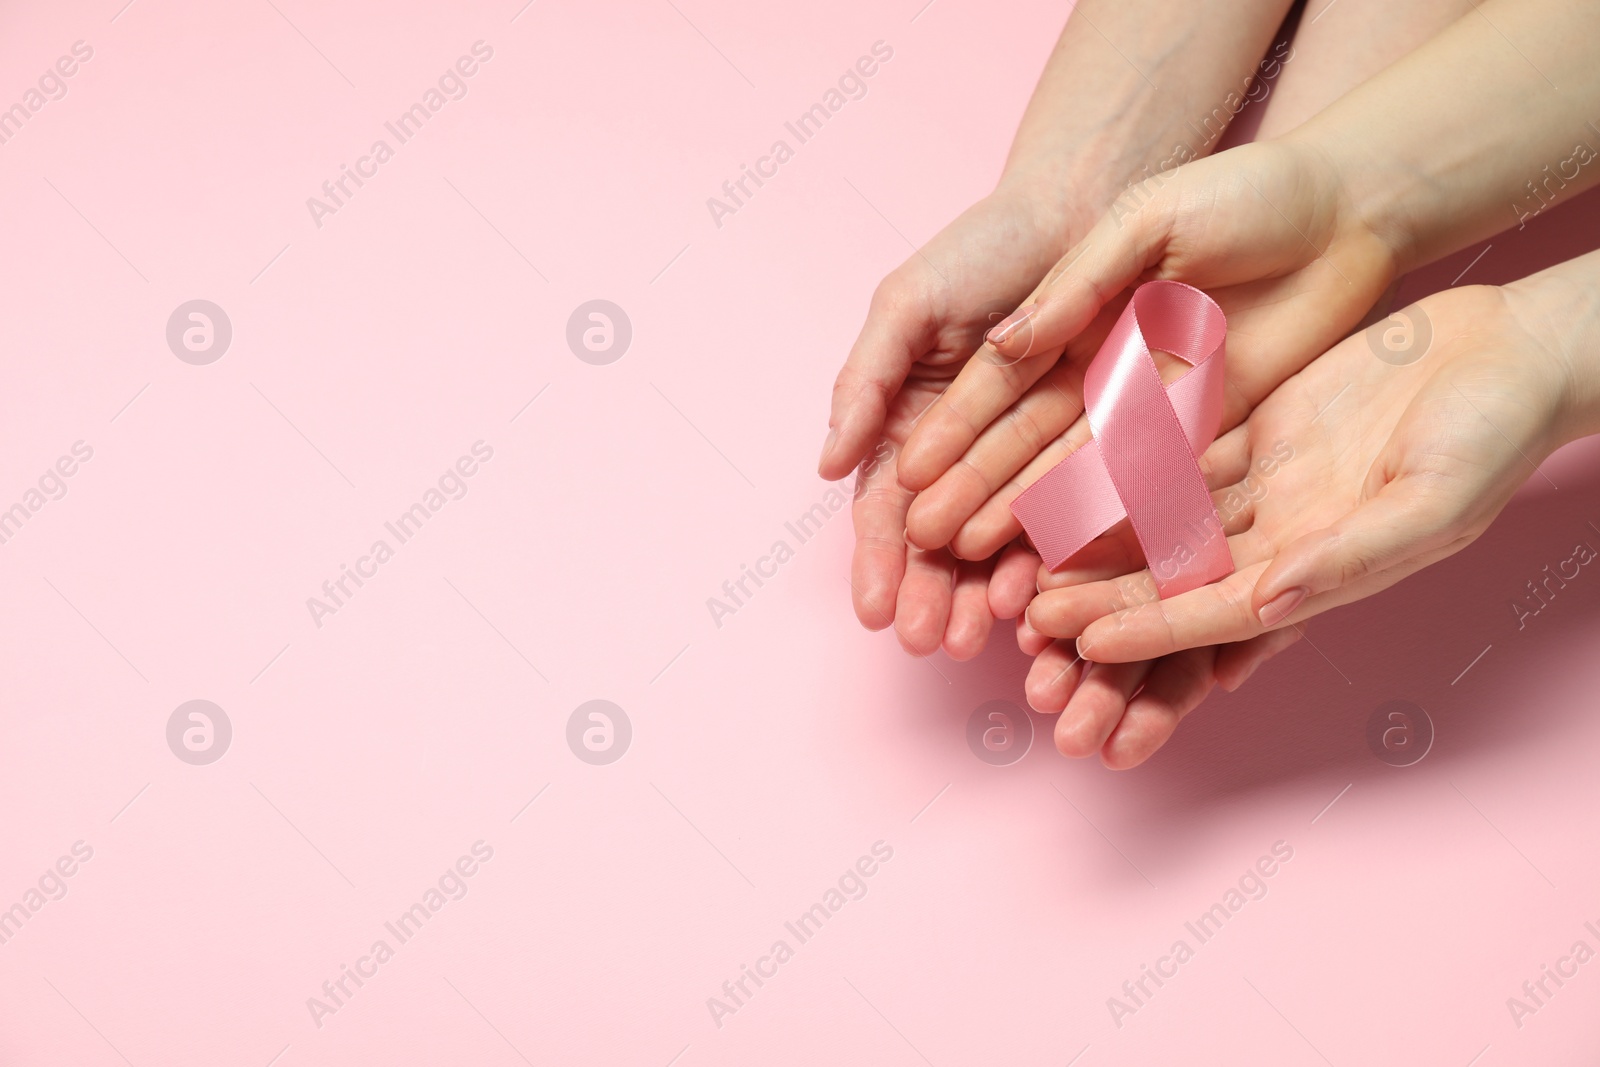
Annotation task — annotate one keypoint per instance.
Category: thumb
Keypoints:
(898, 331)
(1393, 528)
(1128, 239)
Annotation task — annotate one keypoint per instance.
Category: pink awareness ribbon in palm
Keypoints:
(1142, 463)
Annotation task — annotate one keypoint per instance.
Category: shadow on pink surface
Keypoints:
(1482, 643)
(1466, 641)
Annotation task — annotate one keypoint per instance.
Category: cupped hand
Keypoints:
(925, 321)
(1352, 475)
(1265, 229)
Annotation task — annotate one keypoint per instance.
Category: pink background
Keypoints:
(769, 753)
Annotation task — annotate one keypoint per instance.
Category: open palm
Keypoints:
(1367, 466)
(1263, 228)
(926, 320)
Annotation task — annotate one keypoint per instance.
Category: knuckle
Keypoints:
(889, 293)
(1137, 590)
(903, 293)
(868, 543)
(1236, 603)
(1354, 561)
(1019, 421)
(968, 470)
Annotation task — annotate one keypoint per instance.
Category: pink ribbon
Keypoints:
(1141, 464)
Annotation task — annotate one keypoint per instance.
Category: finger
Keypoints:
(1128, 238)
(1123, 619)
(1012, 584)
(970, 620)
(1108, 557)
(990, 527)
(994, 523)
(879, 564)
(1230, 463)
(1029, 640)
(1225, 464)
(922, 612)
(985, 387)
(1238, 661)
(1053, 677)
(1007, 458)
(1068, 612)
(1210, 615)
(1396, 525)
(899, 328)
(1002, 448)
(1117, 554)
(1176, 686)
(1096, 707)
(1227, 461)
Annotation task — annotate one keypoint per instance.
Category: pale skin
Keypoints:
(1295, 238)
(1109, 107)
(1096, 122)
(1393, 468)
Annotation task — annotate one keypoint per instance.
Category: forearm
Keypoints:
(1339, 44)
(1134, 87)
(1560, 308)
(1468, 134)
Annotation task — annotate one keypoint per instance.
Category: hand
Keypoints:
(1264, 228)
(925, 320)
(1349, 477)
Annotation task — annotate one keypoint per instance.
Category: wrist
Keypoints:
(1071, 180)
(1560, 310)
(1372, 201)
(1048, 195)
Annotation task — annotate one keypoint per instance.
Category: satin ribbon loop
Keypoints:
(1143, 464)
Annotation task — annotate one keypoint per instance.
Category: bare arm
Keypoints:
(1473, 131)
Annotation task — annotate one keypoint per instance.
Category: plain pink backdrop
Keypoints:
(768, 753)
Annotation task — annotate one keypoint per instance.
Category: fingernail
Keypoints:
(1009, 325)
(1281, 606)
(1083, 650)
(827, 445)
